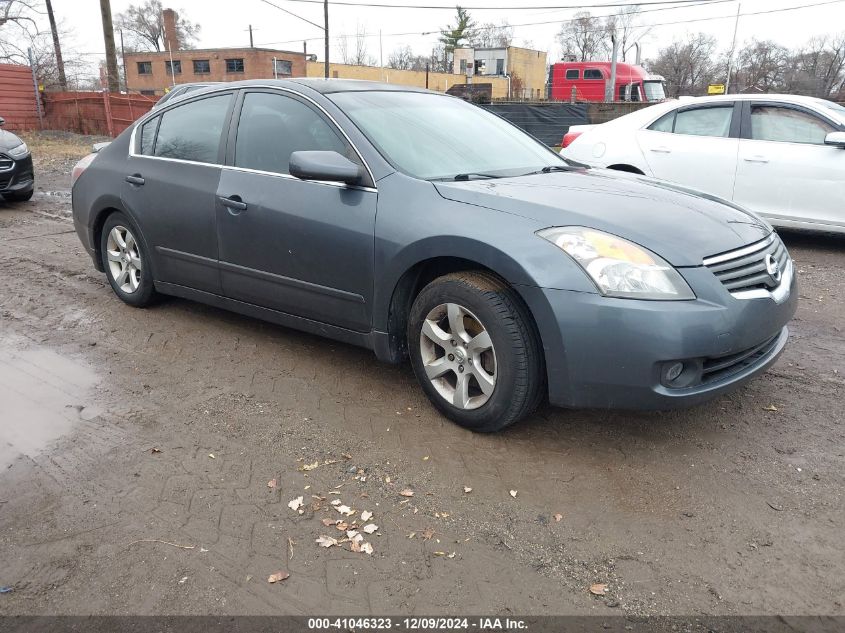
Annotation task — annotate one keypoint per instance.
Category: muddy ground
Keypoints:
(136, 448)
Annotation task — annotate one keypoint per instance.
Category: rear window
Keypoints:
(148, 136)
(573, 73)
(664, 123)
(593, 73)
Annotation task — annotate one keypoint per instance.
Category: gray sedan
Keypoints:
(420, 226)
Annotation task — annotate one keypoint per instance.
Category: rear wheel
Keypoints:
(474, 351)
(125, 261)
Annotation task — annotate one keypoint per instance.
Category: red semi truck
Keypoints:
(589, 79)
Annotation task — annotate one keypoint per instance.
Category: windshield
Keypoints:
(654, 90)
(434, 136)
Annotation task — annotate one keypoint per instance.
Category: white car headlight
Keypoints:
(19, 151)
(618, 267)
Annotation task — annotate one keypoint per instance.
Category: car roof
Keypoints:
(798, 99)
(323, 86)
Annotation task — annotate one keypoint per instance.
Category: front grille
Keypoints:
(724, 366)
(5, 163)
(746, 268)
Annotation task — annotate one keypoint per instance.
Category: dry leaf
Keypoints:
(513, 493)
(351, 534)
(558, 517)
(211, 455)
(771, 407)
(279, 576)
(598, 589)
(328, 522)
(346, 456)
(296, 504)
(467, 489)
(335, 502)
(366, 515)
(272, 484)
(412, 535)
(452, 555)
(370, 528)
(307, 467)
(427, 534)
(345, 510)
(407, 492)
(387, 480)
(367, 548)
(440, 553)
(326, 541)
(341, 525)
(426, 458)
(155, 450)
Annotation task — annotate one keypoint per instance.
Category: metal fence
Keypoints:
(548, 121)
(94, 112)
(18, 104)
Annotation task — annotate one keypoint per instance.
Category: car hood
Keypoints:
(680, 225)
(8, 140)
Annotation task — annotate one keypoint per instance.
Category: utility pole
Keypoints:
(733, 49)
(251, 45)
(108, 38)
(610, 88)
(60, 64)
(123, 60)
(326, 30)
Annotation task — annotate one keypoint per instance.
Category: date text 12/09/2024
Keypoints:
(419, 623)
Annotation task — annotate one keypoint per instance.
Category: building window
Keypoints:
(145, 68)
(234, 65)
(500, 66)
(202, 66)
(463, 67)
(148, 93)
(173, 67)
(284, 67)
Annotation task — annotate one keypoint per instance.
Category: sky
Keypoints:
(226, 23)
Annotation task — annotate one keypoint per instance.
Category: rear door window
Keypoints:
(705, 121)
(193, 131)
(664, 123)
(787, 125)
(148, 136)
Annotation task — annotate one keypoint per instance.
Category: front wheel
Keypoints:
(474, 351)
(125, 260)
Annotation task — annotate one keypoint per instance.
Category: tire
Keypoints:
(19, 197)
(481, 389)
(127, 264)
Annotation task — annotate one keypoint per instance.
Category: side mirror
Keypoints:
(329, 166)
(2, 121)
(837, 139)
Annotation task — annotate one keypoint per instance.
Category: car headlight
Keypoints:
(18, 151)
(618, 267)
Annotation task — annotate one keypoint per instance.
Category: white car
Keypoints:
(782, 156)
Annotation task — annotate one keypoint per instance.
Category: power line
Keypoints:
(688, 21)
(609, 5)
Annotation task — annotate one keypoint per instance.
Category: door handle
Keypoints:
(135, 179)
(756, 159)
(661, 150)
(233, 202)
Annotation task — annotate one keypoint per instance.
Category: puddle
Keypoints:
(42, 396)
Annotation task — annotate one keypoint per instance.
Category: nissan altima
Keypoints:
(423, 227)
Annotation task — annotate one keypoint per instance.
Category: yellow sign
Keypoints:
(716, 89)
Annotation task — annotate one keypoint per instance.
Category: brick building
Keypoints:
(155, 72)
(523, 67)
(150, 73)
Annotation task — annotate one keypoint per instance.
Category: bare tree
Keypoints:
(489, 35)
(687, 65)
(401, 58)
(582, 38)
(761, 66)
(356, 54)
(627, 27)
(144, 25)
(818, 68)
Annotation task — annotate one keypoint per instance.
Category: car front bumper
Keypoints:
(19, 178)
(603, 352)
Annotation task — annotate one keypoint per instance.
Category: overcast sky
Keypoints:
(225, 23)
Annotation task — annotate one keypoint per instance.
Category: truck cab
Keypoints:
(586, 81)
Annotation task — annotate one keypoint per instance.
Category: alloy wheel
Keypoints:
(458, 356)
(124, 258)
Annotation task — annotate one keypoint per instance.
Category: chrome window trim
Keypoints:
(330, 183)
(778, 295)
(140, 122)
(741, 252)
